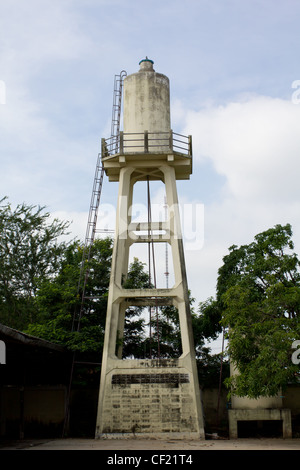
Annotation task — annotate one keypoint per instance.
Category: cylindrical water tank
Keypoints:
(146, 108)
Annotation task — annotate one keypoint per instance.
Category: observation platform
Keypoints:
(147, 152)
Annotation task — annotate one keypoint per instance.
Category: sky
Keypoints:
(235, 87)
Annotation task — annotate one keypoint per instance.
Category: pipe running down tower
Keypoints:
(148, 397)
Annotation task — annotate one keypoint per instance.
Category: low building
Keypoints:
(34, 377)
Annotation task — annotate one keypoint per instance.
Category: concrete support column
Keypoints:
(174, 411)
(176, 242)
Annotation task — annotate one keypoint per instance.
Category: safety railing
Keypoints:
(147, 142)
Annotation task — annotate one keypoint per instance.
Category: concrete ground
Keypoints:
(157, 445)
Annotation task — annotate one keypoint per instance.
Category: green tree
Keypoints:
(62, 317)
(30, 251)
(258, 296)
(134, 339)
(155, 333)
(166, 329)
(39, 291)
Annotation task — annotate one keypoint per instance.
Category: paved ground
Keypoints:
(159, 445)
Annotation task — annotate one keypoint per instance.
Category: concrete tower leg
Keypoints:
(148, 397)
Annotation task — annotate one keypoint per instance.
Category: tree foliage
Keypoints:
(63, 318)
(40, 293)
(258, 296)
(29, 253)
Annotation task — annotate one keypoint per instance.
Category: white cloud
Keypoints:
(254, 143)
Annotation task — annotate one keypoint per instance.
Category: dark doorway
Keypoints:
(250, 429)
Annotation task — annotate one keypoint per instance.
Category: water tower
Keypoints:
(149, 397)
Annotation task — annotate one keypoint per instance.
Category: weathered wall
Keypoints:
(215, 409)
(159, 403)
(291, 399)
(32, 411)
(144, 400)
(44, 410)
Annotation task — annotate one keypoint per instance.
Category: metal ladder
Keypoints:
(91, 228)
(96, 194)
(116, 109)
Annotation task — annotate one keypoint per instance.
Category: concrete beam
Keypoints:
(283, 415)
